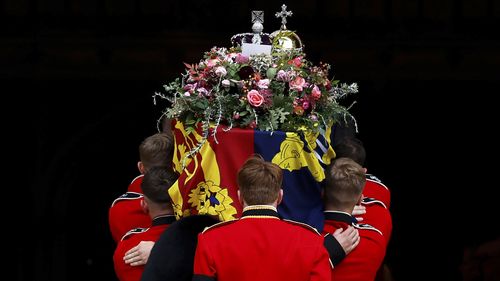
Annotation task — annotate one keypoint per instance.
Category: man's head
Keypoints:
(155, 185)
(156, 151)
(351, 147)
(260, 182)
(344, 183)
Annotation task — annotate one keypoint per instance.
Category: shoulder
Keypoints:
(373, 179)
(303, 226)
(133, 232)
(137, 180)
(372, 201)
(127, 196)
(365, 226)
(217, 226)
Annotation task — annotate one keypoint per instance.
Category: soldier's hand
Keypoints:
(348, 238)
(358, 211)
(139, 254)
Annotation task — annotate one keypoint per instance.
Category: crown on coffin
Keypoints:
(281, 40)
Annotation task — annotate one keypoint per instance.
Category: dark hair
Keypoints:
(344, 183)
(156, 183)
(351, 147)
(157, 151)
(259, 181)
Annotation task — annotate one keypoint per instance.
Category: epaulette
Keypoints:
(139, 176)
(369, 201)
(218, 224)
(134, 231)
(373, 178)
(367, 227)
(304, 225)
(127, 196)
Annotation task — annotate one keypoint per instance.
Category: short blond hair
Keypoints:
(259, 181)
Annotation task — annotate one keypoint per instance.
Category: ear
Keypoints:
(144, 206)
(240, 198)
(360, 199)
(366, 170)
(140, 166)
(280, 196)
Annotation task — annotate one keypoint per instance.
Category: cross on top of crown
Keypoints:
(257, 16)
(283, 14)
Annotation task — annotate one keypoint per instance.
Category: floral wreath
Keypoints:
(278, 91)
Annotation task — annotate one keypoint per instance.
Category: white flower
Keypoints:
(220, 71)
(263, 83)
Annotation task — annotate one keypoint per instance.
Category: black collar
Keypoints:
(166, 219)
(261, 212)
(340, 216)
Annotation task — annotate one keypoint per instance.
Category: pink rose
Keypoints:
(297, 83)
(315, 93)
(255, 98)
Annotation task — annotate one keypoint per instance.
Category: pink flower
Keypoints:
(282, 76)
(189, 87)
(296, 61)
(255, 98)
(202, 92)
(220, 71)
(263, 83)
(241, 59)
(315, 93)
(305, 105)
(212, 62)
(297, 83)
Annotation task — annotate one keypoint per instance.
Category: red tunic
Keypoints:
(374, 188)
(363, 262)
(260, 246)
(135, 185)
(377, 216)
(126, 272)
(125, 214)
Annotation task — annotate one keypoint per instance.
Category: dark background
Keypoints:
(77, 79)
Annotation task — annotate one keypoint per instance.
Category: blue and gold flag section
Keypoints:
(208, 181)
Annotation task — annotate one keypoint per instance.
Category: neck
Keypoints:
(344, 209)
(274, 204)
(156, 213)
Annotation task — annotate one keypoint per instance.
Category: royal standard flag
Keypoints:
(208, 170)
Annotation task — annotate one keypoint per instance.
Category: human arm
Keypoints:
(203, 269)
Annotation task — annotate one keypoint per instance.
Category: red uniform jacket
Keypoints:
(125, 214)
(135, 185)
(261, 246)
(126, 272)
(374, 188)
(377, 216)
(363, 262)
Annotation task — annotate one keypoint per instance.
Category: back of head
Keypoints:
(259, 181)
(351, 147)
(157, 151)
(156, 183)
(344, 183)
